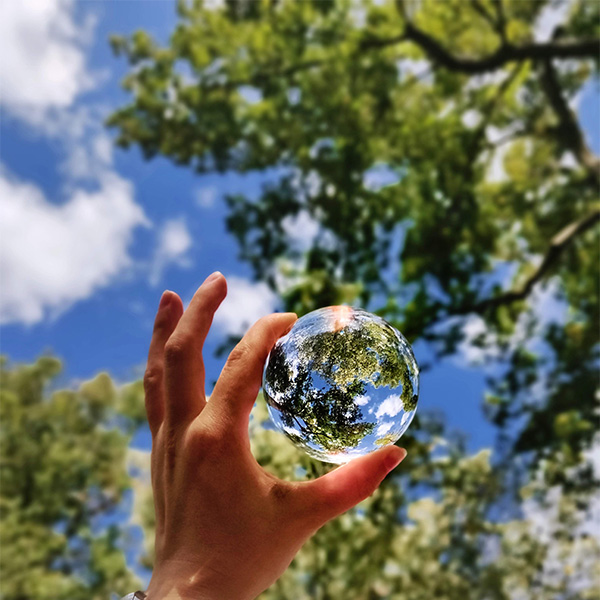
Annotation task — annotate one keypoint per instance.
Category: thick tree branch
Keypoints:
(505, 53)
(559, 243)
(569, 133)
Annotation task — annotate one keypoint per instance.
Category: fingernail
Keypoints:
(393, 459)
(214, 276)
(165, 299)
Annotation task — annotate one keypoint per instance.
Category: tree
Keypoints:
(494, 189)
(63, 476)
(435, 151)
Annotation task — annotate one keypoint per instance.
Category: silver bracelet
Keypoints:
(139, 595)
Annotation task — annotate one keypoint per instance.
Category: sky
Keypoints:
(90, 235)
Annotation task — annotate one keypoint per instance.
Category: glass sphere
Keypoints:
(341, 383)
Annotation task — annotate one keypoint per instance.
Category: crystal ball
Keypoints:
(342, 383)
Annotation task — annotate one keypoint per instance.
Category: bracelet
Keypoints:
(139, 595)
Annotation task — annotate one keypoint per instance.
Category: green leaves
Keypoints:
(474, 115)
(62, 471)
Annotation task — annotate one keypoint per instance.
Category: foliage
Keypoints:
(431, 152)
(58, 496)
(62, 481)
(432, 146)
(402, 544)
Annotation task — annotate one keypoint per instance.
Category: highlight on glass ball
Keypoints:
(342, 383)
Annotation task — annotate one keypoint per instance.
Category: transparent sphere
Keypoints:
(341, 383)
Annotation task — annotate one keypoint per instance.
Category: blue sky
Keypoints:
(93, 234)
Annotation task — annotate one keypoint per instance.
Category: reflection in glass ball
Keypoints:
(341, 383)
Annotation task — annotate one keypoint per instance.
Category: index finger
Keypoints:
(241, 378)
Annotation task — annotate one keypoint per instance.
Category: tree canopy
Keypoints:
(429, 166)
(63, 476)
(434, 149)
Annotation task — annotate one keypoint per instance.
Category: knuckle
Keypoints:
(202, 440)
(152, 378)
(176, 348)
(238, 354)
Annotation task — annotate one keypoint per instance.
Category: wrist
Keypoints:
(179, 582)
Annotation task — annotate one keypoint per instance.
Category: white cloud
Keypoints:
(246, 302)
(391, 406)
(43, 64)
(206, 197)
(174, 242)
(89, 154)
(56, 254)
(52, 255)
(469, 351)
(384, 428)
(362, 400)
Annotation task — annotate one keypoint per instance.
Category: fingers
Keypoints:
(169, 312)
(240, 381)
(344, 487)
(184, 374)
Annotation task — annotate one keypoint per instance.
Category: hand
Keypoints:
(226, 529)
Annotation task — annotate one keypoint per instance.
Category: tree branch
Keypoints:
(506, 52)
(559, 243)
(569, 133)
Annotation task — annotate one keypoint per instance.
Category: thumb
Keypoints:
(344, 487)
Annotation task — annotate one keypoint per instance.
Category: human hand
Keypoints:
(226, 529)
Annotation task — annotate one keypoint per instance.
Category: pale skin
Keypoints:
(226, 529)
